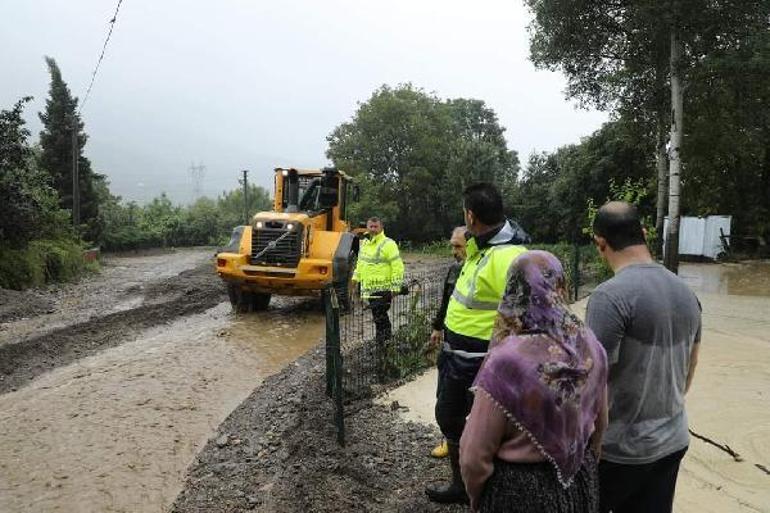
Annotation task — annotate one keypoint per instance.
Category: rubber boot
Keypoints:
(454, 492)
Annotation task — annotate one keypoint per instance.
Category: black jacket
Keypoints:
(449, 287)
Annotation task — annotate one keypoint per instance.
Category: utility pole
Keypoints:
(75, 176)
(246, 195)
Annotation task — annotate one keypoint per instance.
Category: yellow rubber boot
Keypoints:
(440, 451)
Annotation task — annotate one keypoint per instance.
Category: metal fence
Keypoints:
(359, 364)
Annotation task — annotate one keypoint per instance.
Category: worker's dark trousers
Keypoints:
(380, 304)
(453, 396)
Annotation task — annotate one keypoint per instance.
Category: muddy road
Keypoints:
(110, 387)
(108, 392)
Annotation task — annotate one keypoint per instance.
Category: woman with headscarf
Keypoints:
(532, 439)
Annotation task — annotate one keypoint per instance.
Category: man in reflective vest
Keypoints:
(493, 245)
(380, 271)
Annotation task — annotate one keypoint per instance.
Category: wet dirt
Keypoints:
(119, 403)
(189, 292)
(119, 286)
(277, 453)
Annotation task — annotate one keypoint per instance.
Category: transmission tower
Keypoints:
(196, 175)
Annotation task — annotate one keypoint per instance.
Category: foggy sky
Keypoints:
(237, 84)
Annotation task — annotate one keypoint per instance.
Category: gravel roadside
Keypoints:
(277, 452)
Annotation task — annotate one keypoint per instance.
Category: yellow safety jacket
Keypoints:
(379, 266)
(473, 307)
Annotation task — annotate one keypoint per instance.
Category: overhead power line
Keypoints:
(101, 56)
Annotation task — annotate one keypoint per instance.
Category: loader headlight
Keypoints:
(290, 226)
(258, 225)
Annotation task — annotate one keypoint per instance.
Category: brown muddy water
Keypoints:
(734, 279)
(115, 431)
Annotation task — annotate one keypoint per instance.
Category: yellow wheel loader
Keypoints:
(303, 245)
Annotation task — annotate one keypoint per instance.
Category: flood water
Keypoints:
(115, 432)
(739, 279)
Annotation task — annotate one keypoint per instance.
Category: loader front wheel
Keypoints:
(259, 301)
(237, 298)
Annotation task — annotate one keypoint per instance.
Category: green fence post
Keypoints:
(334, 360)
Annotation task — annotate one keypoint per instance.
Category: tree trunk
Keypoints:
(675, 162)
(661, 163)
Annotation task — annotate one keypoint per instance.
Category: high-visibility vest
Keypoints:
(379, 265)
(480, 287)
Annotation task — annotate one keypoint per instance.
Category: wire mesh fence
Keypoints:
(379, 336)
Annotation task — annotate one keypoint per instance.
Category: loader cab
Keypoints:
(314, 193)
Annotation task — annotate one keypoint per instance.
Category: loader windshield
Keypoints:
(310, 196)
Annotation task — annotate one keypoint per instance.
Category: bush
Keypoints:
(40, 263)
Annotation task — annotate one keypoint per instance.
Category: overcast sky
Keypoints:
(237, 84)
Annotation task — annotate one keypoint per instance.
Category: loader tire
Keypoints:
(259, 301)
(237, 298)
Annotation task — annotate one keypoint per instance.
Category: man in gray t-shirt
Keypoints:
(649, 322)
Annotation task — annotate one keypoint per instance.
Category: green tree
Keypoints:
(479, 153)
(28, 203)
(397, 143)
(555, 188)
(616, 57)
(160, 223)
(59, 120)
(727, 144)
(412, 154)
(531, 200)
(612, 50)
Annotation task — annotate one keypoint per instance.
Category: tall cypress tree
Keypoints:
(59, 118)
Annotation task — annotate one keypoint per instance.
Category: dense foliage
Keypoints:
(59, 120)
(160, 223)
(619, 55)
(551, 199)
(36, 244)
(412, 154)
(28, 204)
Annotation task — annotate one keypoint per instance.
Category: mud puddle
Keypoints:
(114, 432)
(734, 279)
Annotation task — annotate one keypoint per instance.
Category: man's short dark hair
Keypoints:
(620, 225)
(374, 219)
(484, 200)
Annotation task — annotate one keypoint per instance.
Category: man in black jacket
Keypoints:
(457, 241)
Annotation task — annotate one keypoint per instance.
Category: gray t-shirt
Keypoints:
(648, 320)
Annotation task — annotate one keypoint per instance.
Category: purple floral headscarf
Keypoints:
(545, 368)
